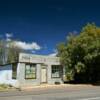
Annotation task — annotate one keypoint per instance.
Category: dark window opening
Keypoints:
(14, 71)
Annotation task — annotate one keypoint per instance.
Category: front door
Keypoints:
(43, 75)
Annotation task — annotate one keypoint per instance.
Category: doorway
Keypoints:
(43, 74)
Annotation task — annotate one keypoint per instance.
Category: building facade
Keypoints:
(35, 70)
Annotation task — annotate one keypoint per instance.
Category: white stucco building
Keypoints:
(33, 70)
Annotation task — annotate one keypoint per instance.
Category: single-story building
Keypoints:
(32, 70)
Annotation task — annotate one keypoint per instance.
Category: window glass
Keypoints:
(56, 71)
(30, 71)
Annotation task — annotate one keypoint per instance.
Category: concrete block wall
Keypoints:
(28, 82)
(50, 79)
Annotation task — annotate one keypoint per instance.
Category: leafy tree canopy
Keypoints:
(80, 54)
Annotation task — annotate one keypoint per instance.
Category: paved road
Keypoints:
(55, 93)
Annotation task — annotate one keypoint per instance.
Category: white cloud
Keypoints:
(26, 46)
(33, 51)
(8, 39)
(9, 35)
(54, 54)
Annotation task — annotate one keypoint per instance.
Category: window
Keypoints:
(30, 71)
(14, 70)
(56, 71)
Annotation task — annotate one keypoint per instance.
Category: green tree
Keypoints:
(80, 54)
(9, 53)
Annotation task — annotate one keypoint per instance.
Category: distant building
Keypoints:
(33, 70)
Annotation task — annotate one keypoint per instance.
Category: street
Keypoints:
(77, 92)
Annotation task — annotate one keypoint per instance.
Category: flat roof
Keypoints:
(38, 55)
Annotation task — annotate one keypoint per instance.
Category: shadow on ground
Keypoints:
(87, 83)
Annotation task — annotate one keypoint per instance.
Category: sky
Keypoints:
(39, 25)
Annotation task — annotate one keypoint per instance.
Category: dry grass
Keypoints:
(4, 87)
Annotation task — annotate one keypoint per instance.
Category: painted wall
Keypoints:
(6, 75)
(50, 79)
(38, 60)
(31, 82)
(27, 82)
(32, 58)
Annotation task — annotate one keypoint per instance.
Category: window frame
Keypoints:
(59, 70)
(34, 65)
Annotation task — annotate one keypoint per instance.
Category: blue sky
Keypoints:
(46, 22)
